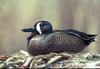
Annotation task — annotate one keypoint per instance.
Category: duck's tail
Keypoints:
(90, 38)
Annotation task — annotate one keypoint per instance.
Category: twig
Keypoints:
(66, 55)
(24, 52)
(9, 59)
(92, 65)
(28, 61)
(31, 65)
(51, 61)
(15, 62)
(3, 64)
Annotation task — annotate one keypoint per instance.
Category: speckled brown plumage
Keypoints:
(55, 42)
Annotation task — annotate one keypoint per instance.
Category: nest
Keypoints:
(53, 60)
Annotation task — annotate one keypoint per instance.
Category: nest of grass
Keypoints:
(53, 60)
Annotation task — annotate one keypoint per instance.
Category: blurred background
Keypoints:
(82, 15)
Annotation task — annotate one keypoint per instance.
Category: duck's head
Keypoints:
(41, 27)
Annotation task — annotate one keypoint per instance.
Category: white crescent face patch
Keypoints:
(38, 28)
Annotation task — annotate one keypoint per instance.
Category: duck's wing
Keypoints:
(86, 37)
(82, 34)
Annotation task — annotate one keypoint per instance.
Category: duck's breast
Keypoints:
(36, 45)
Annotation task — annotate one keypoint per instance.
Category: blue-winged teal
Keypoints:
(44, 39)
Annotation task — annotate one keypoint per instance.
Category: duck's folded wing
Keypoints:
(86, 37)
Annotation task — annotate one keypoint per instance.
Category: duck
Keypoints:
(44, 40)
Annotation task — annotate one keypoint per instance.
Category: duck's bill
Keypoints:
(28, 30)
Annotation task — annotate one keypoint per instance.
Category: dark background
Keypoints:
(83, 15)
